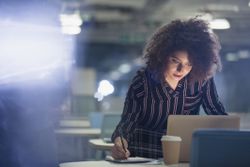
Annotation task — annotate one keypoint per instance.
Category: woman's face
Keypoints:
(178, 66)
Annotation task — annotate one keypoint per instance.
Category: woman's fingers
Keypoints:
(118, 151)
(127, 153)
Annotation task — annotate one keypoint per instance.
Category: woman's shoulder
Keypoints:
(140, 76)
(139, 82)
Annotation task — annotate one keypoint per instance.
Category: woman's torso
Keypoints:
(157, 100)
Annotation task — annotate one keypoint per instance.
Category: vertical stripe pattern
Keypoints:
(148, 104)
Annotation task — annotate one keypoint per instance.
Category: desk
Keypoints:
(100, 144)
(87, 132)
(109, 164)
(74, 123)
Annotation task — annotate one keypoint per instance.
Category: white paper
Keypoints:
(130, 160)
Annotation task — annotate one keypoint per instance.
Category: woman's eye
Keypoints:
(175, 61)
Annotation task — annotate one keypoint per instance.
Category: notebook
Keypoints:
(129, 160)
(185, 125)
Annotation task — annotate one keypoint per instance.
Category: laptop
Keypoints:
(219, 148)
(184, 126)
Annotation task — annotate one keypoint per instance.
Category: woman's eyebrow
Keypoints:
(180, 60)
(176, 58)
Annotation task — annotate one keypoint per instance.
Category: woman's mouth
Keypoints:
(177, 76)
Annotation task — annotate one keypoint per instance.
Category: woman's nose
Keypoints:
(179, 67)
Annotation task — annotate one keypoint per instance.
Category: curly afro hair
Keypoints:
(193, 36)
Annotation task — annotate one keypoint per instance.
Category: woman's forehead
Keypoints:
(181, 55)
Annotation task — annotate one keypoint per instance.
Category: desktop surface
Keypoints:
(110, 164)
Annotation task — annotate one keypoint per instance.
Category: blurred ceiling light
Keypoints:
(220, 24)
(125, 68)
(139, 62)
(231, 57)
(98, 96)
(70, 20)
(105, 88)
(222, 7)
(111, 16)
(138, 4)
(115, 75)
(243, 54)
(71, 30)
(71, 23)
(249, 3)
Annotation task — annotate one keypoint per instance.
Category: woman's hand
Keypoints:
(117, 150)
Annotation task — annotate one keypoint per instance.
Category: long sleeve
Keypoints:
(131, 110)
(210, 100)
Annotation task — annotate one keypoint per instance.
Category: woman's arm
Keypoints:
(210, 100)
(129, 116)
(129, 119)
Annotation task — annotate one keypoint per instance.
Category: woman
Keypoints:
(181, 59)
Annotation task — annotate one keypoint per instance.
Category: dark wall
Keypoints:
(237, 83)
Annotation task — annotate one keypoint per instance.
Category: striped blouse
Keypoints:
(148, 104)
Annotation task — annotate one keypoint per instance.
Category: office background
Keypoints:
(63, 59)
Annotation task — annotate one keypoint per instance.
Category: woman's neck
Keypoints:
(172, 83)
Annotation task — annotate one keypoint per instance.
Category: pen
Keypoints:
(123, 146)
